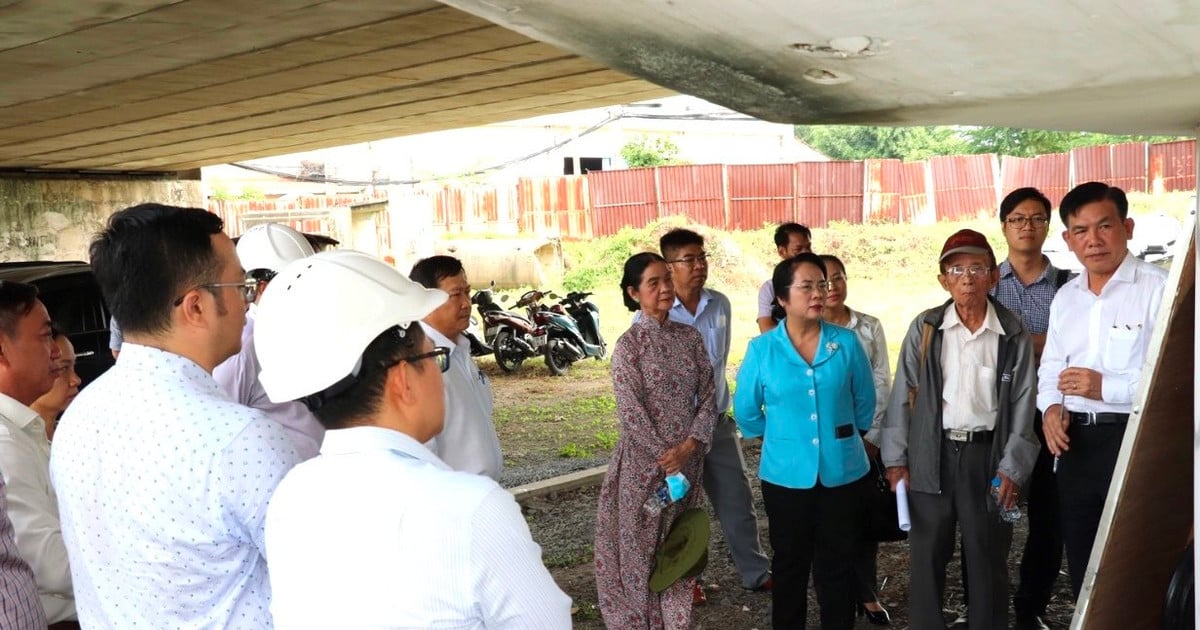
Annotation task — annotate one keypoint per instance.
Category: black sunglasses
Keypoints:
(440, 355)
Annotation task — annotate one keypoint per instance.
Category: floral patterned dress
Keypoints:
(664, 388)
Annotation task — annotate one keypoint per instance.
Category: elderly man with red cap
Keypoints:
(960, 419)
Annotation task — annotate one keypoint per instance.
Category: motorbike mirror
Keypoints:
(553, 295)
(504, 298)
(492, 284)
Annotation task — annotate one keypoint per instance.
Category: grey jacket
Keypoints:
(913, 437)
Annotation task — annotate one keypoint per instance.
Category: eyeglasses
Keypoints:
(808, 287)
(249, 290)
(692, 261)
(1018, 222)
(440, 355)
(975, 271)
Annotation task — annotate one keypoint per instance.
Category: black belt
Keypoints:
(1090, 418)
(962, 435)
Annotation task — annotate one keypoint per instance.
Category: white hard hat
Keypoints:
(271, 246)
(319, 314)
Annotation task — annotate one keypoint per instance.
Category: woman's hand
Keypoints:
(674, 459)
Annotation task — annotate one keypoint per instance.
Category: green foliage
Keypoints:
(572, 450)
(853, 142)
(646, 151)
(606, 440)
(1032, 142)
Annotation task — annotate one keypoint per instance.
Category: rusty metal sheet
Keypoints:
(621, 198)
(916, 199)
(1129, 162)
(1049, 173)
(697, 192)
(882, 190)
(1172, 166)
(964, 186)
(1090, 164)
(829, 191)
(760, 194)
(554, 206)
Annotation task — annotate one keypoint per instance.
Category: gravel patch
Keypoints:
(520, 475)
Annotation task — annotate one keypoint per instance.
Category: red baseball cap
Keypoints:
(966, 242)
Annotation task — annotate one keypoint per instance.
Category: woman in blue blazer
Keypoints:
(806, 388)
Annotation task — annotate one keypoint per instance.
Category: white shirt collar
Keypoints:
(17, 413)
(990, 321)
(373, 438)
(442, 341)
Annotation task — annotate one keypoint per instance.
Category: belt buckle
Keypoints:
(1091, 418)
(959, 435)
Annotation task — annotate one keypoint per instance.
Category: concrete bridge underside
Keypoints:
(165, 86)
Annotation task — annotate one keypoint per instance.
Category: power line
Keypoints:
(321, 179)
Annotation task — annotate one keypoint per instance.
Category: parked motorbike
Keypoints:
(572, 328)
(513, 338)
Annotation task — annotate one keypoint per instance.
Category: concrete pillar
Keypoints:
(54, 216)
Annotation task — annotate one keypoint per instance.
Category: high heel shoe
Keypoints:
(875, 617)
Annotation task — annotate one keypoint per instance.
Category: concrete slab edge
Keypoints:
(561, 483)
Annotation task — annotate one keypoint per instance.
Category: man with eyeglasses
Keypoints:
(725, 480)
(162, 480)
(1099, 333)
(960, 415)
(263, 251)
(791, 239)
(378, 532)
(468, 441)
(1027, 286)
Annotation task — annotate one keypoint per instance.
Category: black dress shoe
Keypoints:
(1032, 622)
(875, 617)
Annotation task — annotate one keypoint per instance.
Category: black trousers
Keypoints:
(1084, 474)
(1042, 556)
(815, 529)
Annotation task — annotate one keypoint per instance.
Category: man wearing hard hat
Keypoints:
(377, 531)
(263, 251)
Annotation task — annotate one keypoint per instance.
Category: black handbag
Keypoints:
(879, 522)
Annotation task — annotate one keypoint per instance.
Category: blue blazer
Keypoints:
(800, 409)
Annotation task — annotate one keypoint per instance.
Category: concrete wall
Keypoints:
(55, 218)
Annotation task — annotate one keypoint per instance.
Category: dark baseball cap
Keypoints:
(966, 242)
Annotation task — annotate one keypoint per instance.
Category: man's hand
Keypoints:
(1009, 491)
(1078, 381)
(673, 460)
(895, 474)
(1054, 427)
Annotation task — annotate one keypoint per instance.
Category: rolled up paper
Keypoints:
(902, 506)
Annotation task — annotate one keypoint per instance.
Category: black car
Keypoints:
(71, 294)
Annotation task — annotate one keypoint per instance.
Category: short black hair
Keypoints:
(1092, 192)
(17, 299)
(1020, 196)
(149, 255)
(354, 399)
(632, 276)
(428, 272)
(830, 258)
(784, 272)
(677, 239)
(783, 233)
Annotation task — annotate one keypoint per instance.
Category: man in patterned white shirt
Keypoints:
(163, 481)
(377, 532)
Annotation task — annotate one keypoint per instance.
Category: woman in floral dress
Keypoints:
(664, 388)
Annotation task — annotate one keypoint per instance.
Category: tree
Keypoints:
(853, 142)
(1031, 142)
(649, 152)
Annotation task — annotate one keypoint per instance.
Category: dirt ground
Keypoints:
(564, 526)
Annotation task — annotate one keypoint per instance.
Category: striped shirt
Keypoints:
(20, 607)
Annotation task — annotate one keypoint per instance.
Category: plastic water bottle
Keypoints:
(1008, 515)
(674, 488)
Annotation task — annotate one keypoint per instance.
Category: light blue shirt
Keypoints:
(712, 318)
(163, 484)
(797, 408)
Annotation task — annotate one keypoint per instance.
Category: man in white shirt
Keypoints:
(1100, 328)
(468, 442)
(791, 239)
(28, 361)
(163, 481)
(263, 250)
(398, 540)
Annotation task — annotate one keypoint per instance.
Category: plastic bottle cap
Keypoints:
(995, 482)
